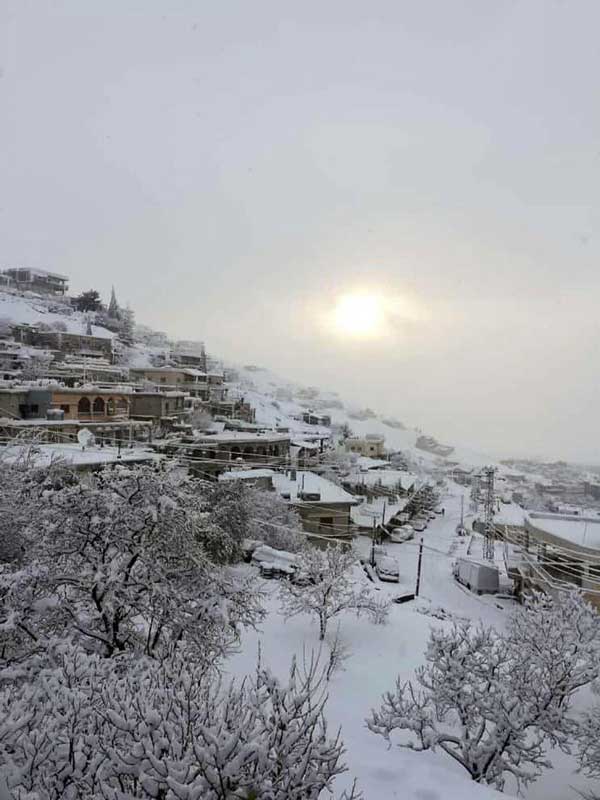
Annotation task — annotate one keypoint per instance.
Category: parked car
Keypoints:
(431, 516)
(387, 569)
(418, 525)
(403, 534)
(439, 510)
(476, 576)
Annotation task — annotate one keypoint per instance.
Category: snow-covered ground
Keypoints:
(32, 311)
(379, 654)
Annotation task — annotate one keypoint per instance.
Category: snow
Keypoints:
(31, 311)
(246, 474)
(577, 530)
(310, 483)
(388, 478)
(71, 454)
(378, 654)
(364, 514)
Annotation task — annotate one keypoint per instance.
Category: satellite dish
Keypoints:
(85, 438)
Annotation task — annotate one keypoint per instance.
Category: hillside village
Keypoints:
(440, 532)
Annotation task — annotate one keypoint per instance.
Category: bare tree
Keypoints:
(329, 588)
(491, 701)
(339, 653)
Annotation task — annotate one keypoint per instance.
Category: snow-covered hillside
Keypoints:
(36, 310)
(279, 402)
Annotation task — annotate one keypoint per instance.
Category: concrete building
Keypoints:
(110, 432)
(372, 445)
(86, 403)
(61, 342)
(323, 507)
(249, 447)
(36, 280)
(311, 418)
(157, 407)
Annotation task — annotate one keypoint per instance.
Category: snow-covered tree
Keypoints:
(200, 419)
(122, 566)
(37, 365)
(246, 512)
(274, 521)
(88, 301)
(329, 587)
(93, 728)
(127, 325)
(493, 702)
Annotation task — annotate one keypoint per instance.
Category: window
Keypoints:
(98, 406)
(326, 524)
(66, 408)
(83, 406)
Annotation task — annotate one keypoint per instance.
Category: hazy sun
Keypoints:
(359, 315)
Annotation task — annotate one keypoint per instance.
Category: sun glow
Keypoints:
(359, 315)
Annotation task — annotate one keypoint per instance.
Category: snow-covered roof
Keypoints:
(583, 531)
(246, 474)
(244, 436)
(364, 514)
(305, 445)
(365, 462)
(309, 483)
(383, 477)
(72, 454)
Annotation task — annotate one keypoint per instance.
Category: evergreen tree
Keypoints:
(114, 312)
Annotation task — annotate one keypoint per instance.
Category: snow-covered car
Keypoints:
(439, 510)
(418, 525)
(430, 516)
(403, 534)
(461, 530)
(387, 569)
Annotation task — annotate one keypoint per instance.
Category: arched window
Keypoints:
(83, 406)
(235, 452)
(110, 407)
(99, 406)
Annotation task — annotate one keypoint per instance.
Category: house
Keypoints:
(372, 445)
(36, 280)
(323, 507)
(63, 431)
(196, 383)
(87, 403)
(247, 446)
(158, 407)
(392, 483)
(61, 342)
(311, 418)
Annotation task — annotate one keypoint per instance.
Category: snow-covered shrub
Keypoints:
(90, 728)
(492, 701)
(328, 587)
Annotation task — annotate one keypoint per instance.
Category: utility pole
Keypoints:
(488, 508)
(418, 586)
(373, 542)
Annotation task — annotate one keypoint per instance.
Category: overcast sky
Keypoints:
(233, 167)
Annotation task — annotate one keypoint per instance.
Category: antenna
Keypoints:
(488, 508)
